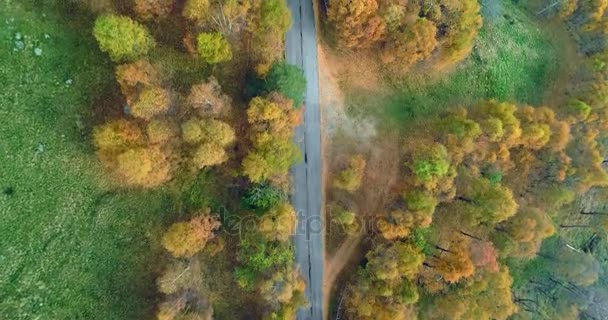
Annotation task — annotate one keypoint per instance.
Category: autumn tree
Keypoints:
(142, 167)
(153, 9)
(208, 100)
(384, 288)
(527, 229)
(272, 121)
(484, 256)
(213, 47)
(161, 131)
(268, 23)
(455, 261)
(278, 223)
(274, 115)
(151, 102)
(465, 21)
(350, 178)
(185, 239)
(486, 296)
(398, 224)
(122, 38)
(411, 44)
(117, 136)
(270, 157)
(481, 201)
(196, 10)
(356, 23)
(207, 139)
(134, 77)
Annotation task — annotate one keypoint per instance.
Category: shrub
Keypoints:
(350, 178)
(213, 47)
(122, 38)
(288, 80)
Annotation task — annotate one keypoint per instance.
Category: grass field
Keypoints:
(515, 59)
(71, 246)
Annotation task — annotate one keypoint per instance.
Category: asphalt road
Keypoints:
(301, 50)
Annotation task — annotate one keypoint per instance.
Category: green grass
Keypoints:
(513, 60)
(71, 246)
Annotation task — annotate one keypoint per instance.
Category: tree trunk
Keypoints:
(463, 199)
(470, 236)
(441, 249)
(593, 213)
(566, 226)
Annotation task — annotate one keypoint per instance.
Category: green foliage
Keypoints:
(258, 257)
(271, 157)
(76, 249)
(578, 109)
(275, 16)
(213, 47)
(263, 196)
(288, 80)
(515, 59)
(419, 200)
(419, 238)
(408, 293)
(344, 217)
(430, 162)
(122, 38)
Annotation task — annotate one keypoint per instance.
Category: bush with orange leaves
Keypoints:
(185, 239)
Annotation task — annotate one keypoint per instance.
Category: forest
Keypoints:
(148, 149)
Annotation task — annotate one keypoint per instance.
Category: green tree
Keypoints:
(430, 163)
(213, 47)
(122, 38)
(288, 80)
(263, 196)
(484, 201)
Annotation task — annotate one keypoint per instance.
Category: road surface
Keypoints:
(301, 50)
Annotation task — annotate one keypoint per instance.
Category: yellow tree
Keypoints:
(185, 239)
(151, 102)
(278, 223)
(410, 45)
(350, 178)
(144, 167)
(356, 22)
